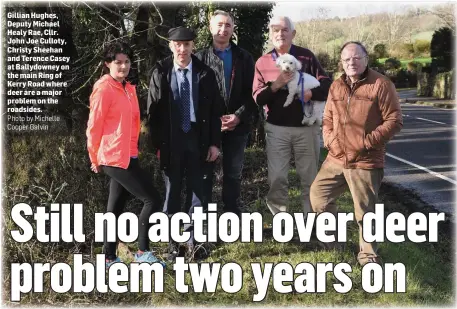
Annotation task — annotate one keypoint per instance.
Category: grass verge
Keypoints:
(449, 105)
(429, 266)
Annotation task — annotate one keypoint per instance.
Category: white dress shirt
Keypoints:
(179, 79)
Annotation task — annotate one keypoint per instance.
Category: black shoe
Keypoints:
(190, 251)
(173, 250)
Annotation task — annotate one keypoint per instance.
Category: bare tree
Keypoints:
(311, 33)
(363, 28)
(398, 28)
(446, 13)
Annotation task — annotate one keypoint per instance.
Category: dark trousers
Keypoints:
(185, 162)
(233, 146)
(137, 182)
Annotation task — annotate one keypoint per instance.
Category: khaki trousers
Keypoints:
(332, 180)
(281, 142)
(317, 142)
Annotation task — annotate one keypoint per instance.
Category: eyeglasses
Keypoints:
(356, 59)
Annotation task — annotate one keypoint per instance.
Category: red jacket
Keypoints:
(114, 123)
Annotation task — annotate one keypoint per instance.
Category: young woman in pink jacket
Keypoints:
(112, 141)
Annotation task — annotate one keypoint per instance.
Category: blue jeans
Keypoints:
(233, 146)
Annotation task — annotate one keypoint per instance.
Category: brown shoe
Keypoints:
(374, 259)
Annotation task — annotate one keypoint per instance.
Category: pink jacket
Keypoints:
(114, 123)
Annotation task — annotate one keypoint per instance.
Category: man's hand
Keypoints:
(95, 168)
(213, 153)
(229, 122)
(282, 80)
(307, 97)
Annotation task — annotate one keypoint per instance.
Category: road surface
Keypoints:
(421, 157)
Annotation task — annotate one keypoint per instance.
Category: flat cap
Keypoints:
(181, 34)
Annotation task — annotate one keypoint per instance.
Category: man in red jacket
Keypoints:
(284, 130)
(361, 115)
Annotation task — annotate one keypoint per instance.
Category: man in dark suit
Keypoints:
(184, 110)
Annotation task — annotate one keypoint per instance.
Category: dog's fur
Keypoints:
(289, 63)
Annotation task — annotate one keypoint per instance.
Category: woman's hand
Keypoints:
(95, 168)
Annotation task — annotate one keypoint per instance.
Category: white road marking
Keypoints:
(423, 168)
(424, 119)
(438, 122)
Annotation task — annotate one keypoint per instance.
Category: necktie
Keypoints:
(185, 101)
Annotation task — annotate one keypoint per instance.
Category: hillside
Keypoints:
(328, 34)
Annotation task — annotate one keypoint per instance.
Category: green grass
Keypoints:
(404, 62)
(429, 267)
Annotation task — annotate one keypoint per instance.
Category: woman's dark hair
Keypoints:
(112, 50)
(356, 43)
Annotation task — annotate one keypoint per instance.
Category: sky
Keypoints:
(304, 10)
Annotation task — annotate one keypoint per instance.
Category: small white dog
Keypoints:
(315, 110)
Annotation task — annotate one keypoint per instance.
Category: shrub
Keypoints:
(443, 87)
(403, 50)
(441, 48)
(380, 50)
(379, 69)
(373, 60)
(412, 78)
(421, 47)
(426, 68)
(413, 66)
(424, 85)
(324, 60)
(402, 78)
(392, 63)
